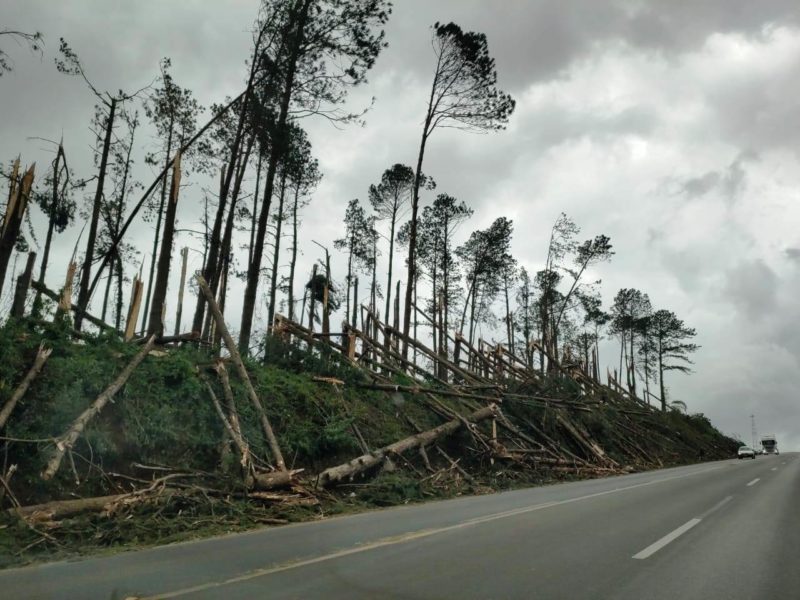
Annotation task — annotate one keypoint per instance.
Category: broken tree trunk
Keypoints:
(59, 509)
(237, 359)
(14, 217)
(365, 462)
(133, 309)
(66, 441)
(41, 357)
(155, 320)
(39, 287)
(21, 291)
(228, 423)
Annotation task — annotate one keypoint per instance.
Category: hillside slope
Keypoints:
(161, 462)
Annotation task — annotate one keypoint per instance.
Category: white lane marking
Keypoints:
(755, 481)
(716, 507)
(656, 546)
(774, 469)
(408, 537)
(670, 537)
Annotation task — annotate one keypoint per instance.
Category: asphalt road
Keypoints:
(728, 529)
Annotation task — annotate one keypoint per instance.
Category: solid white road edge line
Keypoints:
(755, 481)
(656, 546)
(410, 536)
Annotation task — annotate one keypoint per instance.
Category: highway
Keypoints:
(727, 529)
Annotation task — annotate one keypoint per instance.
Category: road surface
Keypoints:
(728, 529)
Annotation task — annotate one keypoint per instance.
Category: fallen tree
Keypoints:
(41, 357)
(350, 469)
(66, 441)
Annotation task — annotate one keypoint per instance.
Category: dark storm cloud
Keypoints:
(697, 186)
(792, 254)
(752, 287)
(537, 39)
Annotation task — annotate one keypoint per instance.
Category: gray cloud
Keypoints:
(752, 288)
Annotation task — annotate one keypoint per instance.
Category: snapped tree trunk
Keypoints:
(15, 213)
(88, 259)
(156, 321)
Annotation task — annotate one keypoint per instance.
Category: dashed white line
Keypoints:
(774, 469)
(656, 546)
(671, 537)
(716, 507)
(755, 481)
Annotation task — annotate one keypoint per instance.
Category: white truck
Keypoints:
(769, 444)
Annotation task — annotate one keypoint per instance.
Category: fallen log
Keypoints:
(66, 441)
(41, 357)
(350, 469)
(272, 481)
(58, 509)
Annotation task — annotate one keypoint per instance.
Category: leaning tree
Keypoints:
(464, 95)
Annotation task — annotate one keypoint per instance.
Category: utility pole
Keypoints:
(753, 430)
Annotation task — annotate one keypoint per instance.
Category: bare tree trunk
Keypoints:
(293, 262)
(273, 284)
(157, 233)
(120, 281)
(156, 321)
(88, 259)
(41, 357)
(311, 306)
(661, 376)
(391, 262)
(179, 313)
(15, 212)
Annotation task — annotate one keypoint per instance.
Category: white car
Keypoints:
(746, 452)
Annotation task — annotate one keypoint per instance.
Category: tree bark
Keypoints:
(273, 283)
(15, 212)
(156, 321)
(21, 290)
(157, 233)
(88, 259)
(41, 357)
(293, 262)
(350, 469)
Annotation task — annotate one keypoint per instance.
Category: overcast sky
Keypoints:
(672, 126)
